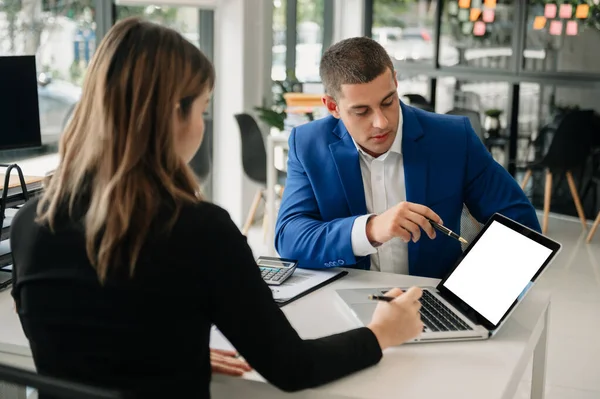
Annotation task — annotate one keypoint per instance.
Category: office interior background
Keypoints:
(513, 60)
(517, 66)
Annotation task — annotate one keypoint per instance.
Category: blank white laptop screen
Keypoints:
(496, 270)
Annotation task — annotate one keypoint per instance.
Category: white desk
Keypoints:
(14, 348)
(461, 370)
(273, 141)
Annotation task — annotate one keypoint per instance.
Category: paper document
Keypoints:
(218, 340)
(302, 280)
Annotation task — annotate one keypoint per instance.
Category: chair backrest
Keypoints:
(54, 387)
(418, 101)
(254, 155)
(572, 141)
(202, 161)
(474, 118)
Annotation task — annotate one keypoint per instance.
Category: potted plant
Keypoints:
(491, 124)
(275, 115)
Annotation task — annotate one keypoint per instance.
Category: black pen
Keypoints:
(381, 298)
(447, 231)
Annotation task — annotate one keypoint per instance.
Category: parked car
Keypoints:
(57, 99)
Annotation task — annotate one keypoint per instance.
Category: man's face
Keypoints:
(370, 112)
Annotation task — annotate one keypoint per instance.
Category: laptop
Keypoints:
(476, 297)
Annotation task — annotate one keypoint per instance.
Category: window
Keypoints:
(185, 20)
(405, 29)
(309, 42)
(62, 36)
(279, 36)
(475, 99)
(563, 37)
(477, 33)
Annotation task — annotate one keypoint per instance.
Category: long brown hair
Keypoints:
(119, 147)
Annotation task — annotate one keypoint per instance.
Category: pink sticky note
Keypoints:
(556, 28)
(571, 29)
(566, 11)
(479, 28)
(488, 15)
(550, 11)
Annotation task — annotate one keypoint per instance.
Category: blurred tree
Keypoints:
(161, 15)
(27, 19)
(310, 10)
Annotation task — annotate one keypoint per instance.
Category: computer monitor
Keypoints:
(19, 108)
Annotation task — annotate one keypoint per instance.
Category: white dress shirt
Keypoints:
(383, 179)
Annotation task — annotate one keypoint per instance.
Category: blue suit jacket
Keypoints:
(445, 165)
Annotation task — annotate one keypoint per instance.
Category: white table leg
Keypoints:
(270, 205)
(538, 378)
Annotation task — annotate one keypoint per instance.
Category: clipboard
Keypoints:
(320, 278)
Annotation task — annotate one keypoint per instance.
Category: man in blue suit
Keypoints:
(362, 182)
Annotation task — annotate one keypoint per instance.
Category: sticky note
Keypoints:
(467, 28)
(453, 8)
(582, 11)
(476, 3)
(475, 13)
(572, 28)
(556, 28)
(539, 22)
(550, 11)
(488, 15)
(464, 3)
(566, 11)
(490, 3)
(479, 28)
(463, 14)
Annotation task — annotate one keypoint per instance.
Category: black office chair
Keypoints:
(474, 118)
(418, 101)
(254, 162)
(54, 387)
(569, 149)
(202, 162)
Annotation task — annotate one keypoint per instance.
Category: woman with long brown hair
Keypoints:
(121, 267)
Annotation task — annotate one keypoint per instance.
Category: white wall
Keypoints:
(348, 19)
(243, 62)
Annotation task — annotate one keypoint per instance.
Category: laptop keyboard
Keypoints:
(437, 317)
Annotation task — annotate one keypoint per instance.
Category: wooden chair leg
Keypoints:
(547, 197)
(252, 212)
(576, 199)
(593, 229)
(526, 179)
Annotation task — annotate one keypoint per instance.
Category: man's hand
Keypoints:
(226, 362)
(404, 220)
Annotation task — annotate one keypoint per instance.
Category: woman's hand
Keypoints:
(226, 362)
(396, 322)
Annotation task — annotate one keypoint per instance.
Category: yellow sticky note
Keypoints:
(464, 3)
(583, 11)
(539, 23)
(475, 13)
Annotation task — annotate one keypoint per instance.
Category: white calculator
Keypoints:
(276, 270)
